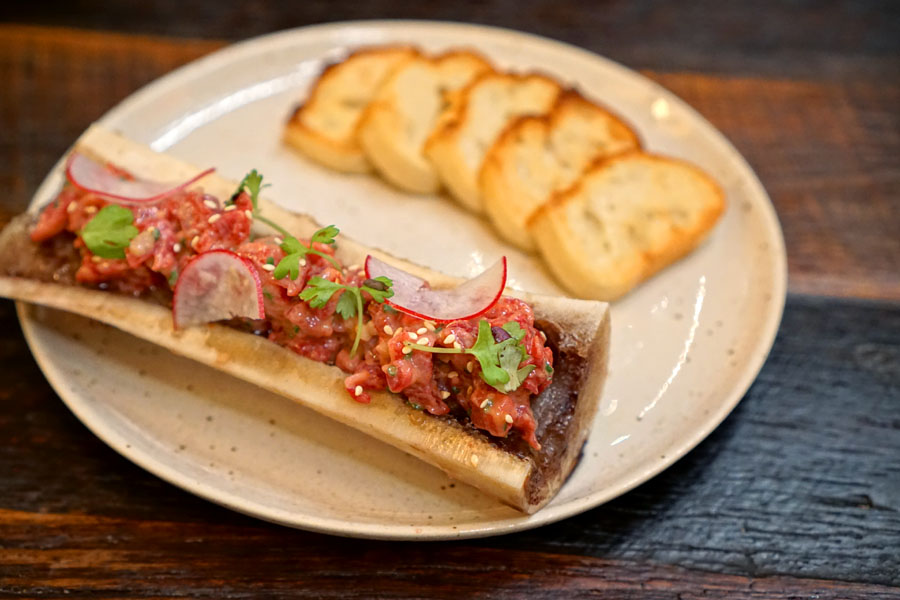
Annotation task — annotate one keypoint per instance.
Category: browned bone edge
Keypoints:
(442, 443)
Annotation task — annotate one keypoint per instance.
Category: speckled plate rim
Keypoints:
(757, 354)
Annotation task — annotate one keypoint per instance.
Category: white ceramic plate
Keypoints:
(685, 346)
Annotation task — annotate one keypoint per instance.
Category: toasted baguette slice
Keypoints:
(536, 156)
(394, 127)
(324, 127)
(476, 116)
(625, 219)
(507, 469)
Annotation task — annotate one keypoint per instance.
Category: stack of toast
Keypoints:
(555, 172)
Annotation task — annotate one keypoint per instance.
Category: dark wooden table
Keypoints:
(797, 494)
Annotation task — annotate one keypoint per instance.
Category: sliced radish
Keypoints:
(217, 285)
(413, 295)
(91, 176)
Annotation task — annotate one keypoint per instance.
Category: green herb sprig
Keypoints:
(499, 360)
(295, 251)
(318, 292)
(110, 231)
(253, 184)
(293, 248)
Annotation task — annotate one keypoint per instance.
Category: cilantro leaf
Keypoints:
(110, 231)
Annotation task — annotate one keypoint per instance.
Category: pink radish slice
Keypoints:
(413, 296)
(91, 176)
(217, 285)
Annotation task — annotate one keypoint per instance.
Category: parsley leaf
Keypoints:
(110, 231)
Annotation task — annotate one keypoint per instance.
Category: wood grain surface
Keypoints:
(798, 489)
(826, 151)
(796, 495)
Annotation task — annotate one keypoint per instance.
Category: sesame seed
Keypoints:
(90, 209)
(470, 366)
(268, 267)
(406, 350)
(213, 219)
(278, 241)
(474, 460)
(508, 419)
(429, 325)
(485, 402)
(469, 390)
(412, 335)
(424, 341)
(302, 262)
(452, 374)
(353, 267)
(358, 390)
(194, 241)
(176, 247)
(388, 330)
(249, 213)
(445, 394)
(71, 207)
(96, 259)
(230, 208)
(450, 339)
(210, 204)
(398, 331)
(422, 330)
(457, 345)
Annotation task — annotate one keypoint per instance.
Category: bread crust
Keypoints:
(565, 255)
(392, 132)
(510, 196)
(341, 150)
(444, 146)
(513, 474)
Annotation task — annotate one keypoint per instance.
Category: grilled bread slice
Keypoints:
(536, 156)
(506, 468)
(477, 115)
(324, 127)
(625, 219)
(394, 127)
